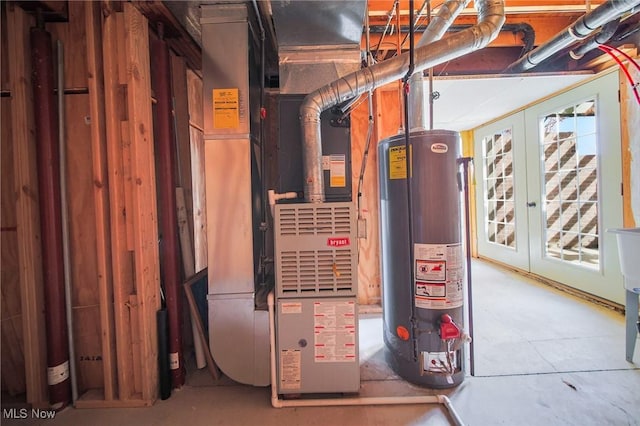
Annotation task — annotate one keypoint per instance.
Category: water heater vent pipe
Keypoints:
(490, 19)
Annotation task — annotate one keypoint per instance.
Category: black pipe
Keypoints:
(603, 36)
(528, 32)
(166, 182)
(467, 223)
(48, 159)
(408, 165)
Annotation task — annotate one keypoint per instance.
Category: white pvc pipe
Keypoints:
(276, 402)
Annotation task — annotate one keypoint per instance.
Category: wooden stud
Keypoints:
(630, 126)
(181, 130)
(196, 137)
(101, 192)
(147, 269)
(28, 223)
(121, 258)
(467, 151)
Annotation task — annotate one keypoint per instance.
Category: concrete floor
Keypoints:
(542, 357)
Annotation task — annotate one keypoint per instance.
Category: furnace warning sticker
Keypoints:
(398, 162)
(226, 109)
(291, 308)
(439, 273)
(337, 171)
(290, 369)
(334, 329)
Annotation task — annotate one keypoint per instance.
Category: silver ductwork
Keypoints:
(447, 13)
(579, 30)
(490, 20)
(318, 41)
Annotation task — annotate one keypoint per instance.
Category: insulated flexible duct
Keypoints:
(490, 20)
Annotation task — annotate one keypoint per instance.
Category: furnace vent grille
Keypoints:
(315, 250)
(315, 220)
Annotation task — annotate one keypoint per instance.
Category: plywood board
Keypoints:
(368, 247)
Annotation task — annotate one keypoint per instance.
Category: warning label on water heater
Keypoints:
(439, 274)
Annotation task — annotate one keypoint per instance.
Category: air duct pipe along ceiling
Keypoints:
(578, 31)
(490, 20)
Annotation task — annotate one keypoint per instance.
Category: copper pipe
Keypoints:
(48, 160)
(166, 181)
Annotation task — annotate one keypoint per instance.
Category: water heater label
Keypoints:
(334, 331)
(398, 162)
(439, 273)
(290, 369)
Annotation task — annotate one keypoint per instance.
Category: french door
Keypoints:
(548, 187)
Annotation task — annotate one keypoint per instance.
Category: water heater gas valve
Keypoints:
(448, 328)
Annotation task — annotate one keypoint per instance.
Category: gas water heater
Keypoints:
(422, 257)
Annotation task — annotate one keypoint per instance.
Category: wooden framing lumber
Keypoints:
(101, 192)
(121, 257)
(28, 223)
(145, 222)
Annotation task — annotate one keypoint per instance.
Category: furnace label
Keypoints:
(226, 109)
(290, 369)
(337, 171)
(291, 308)
(334, 331)
(438, 276)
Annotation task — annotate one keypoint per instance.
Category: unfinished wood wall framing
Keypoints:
(111, 201)
(386, 123)
(630, 132)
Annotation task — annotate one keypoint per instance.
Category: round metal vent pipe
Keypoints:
(490, 20)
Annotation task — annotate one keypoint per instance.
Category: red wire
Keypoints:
(626, 71)
(623, 53)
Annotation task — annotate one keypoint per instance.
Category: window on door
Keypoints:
(498, 183)
(568, 138)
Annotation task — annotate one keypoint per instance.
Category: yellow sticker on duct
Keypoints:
(398, 162)
(226, 109)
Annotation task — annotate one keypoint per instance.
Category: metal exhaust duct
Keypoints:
(490, 20)
(434, 31)
(579, 30)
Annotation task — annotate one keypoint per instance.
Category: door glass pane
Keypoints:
(499, 203)
(569, 160)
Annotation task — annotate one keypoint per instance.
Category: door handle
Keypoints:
(531, 204)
